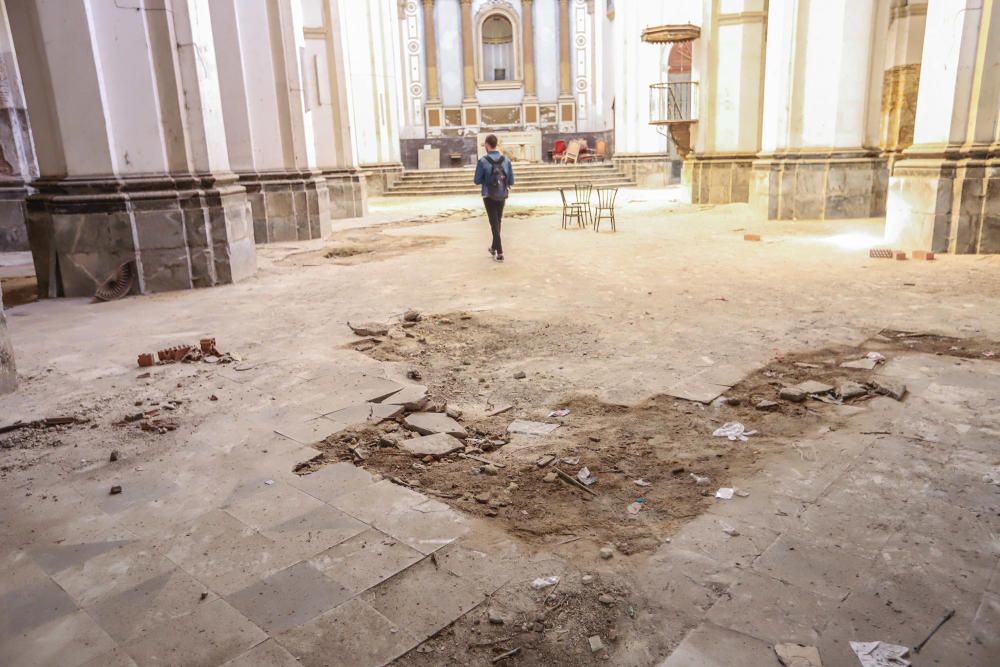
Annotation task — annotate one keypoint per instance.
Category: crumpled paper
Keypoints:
(880, 654)
(733, 431)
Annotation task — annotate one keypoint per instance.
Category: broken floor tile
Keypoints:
(309, 432)
(437, 444)
(366, 560)
(531, 428)
(330, 481)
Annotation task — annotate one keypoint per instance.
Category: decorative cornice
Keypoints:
(667, 34)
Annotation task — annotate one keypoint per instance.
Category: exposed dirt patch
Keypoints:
(666, 443)
(370, 244)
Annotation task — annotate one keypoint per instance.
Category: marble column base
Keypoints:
(287, 205)
(718, 179)
(379, 178)
(945, 205)
(8, 371)
(348, 193)
(13, 213)
(182, 231)
(648, 171)
(819, 187)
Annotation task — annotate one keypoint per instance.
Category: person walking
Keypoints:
(494, 173)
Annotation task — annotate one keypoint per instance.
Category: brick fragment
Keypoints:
(923, 255)
(880, 253)
(145, 359)
(900, 254)
(751, 237)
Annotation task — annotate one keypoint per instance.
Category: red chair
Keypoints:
(558, 149)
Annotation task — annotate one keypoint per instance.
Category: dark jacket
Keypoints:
(484, 168)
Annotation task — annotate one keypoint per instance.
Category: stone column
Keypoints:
(17, 154)
(468, 72)
(269, 134)
(944, 194)
(430, 53)
(128, 129)
(726, 139)
(528, 38)
(8, 371)
(567, 107)
(819, 155)
(902, 76)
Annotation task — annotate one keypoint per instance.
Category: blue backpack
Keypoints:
(496, 185)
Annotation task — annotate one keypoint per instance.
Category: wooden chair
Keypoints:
(571, 210)
(582, 199)
(600, 153)
(606, 206)
(572, 153)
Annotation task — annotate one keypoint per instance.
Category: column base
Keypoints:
(718, 179)
(8, 371)
(648, 171)
(380, 177)
(945, 205)
(13, 214)
(348, 193)
(287, 205)
(819, 186)
(181, 231)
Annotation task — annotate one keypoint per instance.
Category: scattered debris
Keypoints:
(606, 553)
(115, 490)
(742, 494)
(993, 476)
(880, 654)
(118, 284)
(641, 482)
(545, 460)
(509, 654)
(751, 237)
(114, 455)
(369, 329)
(145, 359)
(850, 389)
(730, 531)
(544, 582)
(888, 388)
(606, 599)
(924, 255)
(635, 507)
(798, 655)
(572, 460)
(561, 412)
(947, 616)
(793, 394)
(429, 423)
(412, 316)
(520, 375)
(573, 481)
(42, 423)
(595, 644)
(531, 428)
(413, 374)
(725, 493)
(765, 405)
(733, 431)
(585, 476)
(587, 579)
(701, 480)
(269, 482)
(550, 477)
(880, 253)
(482, 460)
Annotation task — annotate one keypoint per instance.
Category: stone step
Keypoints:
(551, 181)
(519, 168)
(475, 189)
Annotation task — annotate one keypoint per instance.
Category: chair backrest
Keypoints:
(606, 197)
(559, 147)
(602, 147)
(562, 193)
(583, 192)
(573, 150)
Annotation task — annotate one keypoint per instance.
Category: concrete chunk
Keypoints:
(437, 444)
(427, 423)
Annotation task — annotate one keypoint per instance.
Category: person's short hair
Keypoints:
(491, 140)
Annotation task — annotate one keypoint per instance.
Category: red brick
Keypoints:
(751, 237)
(923, 254)
(880, 253)
(145, 359)
(900, 254)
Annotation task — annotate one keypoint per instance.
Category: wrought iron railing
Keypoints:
(673, 102)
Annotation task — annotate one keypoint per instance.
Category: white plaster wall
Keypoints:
(448, 31)
(546, 28)
(232, 84)
(256, 34)
(312, 13)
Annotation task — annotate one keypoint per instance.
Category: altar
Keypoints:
(523, 146)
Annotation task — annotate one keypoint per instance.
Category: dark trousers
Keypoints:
(494, 211)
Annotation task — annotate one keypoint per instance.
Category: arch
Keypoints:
(498, 56)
